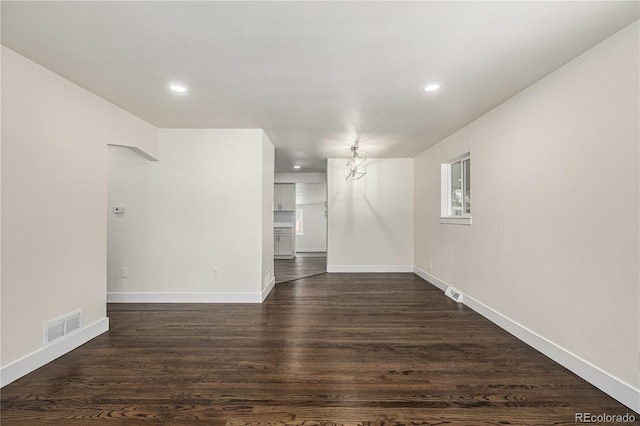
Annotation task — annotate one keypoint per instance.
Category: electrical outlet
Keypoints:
(123, 273)
(216, 272)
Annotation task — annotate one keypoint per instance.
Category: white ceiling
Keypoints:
(314, 75)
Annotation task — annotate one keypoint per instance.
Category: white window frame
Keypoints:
(446, 215)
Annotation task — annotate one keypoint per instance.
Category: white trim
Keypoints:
(446, 215)
(25, 365)
(604, 381)
(267, 290)
(430, 278)
(369, 268)
(456, 220)
(174, 297)
(614, 387)
(310, 253)
(137, 151)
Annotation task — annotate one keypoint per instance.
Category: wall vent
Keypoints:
(53, 331)
(60, 327)
(73, 322)
(454, 294)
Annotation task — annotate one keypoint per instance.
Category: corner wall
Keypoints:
(554, 246)
(268, 173)
(201, 207)
(370, 227)
(54, 206)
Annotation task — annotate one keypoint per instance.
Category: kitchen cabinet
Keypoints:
(284, 242)
(284, 197)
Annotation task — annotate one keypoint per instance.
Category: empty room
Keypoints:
(320, 213)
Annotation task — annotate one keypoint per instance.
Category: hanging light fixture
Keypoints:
(356, 166)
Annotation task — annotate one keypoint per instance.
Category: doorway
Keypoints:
(310, 228)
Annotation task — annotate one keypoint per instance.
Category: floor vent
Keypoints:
(60, 327)
(454, 294)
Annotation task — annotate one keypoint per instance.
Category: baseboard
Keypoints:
(614, 387)
(369, 268)
(174, 297)
(45, 355)
(607, 383)
(311, 254)
(430, 278)
(267, 290)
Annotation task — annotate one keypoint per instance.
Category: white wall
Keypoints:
(300, 177)
(554, 244)
(54, 206)
(268, 167)
(370, 224)
(311, 193)
(200, 207)
(1, 381)
(314, 237)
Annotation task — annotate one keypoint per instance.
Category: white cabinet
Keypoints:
(284, 200)
(284, 196)
(283, 241)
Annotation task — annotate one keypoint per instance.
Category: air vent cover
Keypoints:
(60, 327)
(54, 330)
(454, 294)
(73, 322)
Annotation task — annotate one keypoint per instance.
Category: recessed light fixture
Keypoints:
(431, 87)
(296, 167)
(178, 88)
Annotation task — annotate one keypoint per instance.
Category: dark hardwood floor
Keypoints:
(300, 267)
(348, 349)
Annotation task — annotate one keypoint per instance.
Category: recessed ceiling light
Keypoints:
(178, 88)
(431, 87)
(296, 167)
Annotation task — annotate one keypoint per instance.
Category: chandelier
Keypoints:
(356, 166)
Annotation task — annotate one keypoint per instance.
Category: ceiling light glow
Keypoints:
(296, 167)
(431, 87)
(178, 88)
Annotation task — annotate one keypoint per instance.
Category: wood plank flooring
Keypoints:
(300, 267)
(334, 349)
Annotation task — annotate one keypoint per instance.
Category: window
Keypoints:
(299, 222)
(456, 191)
